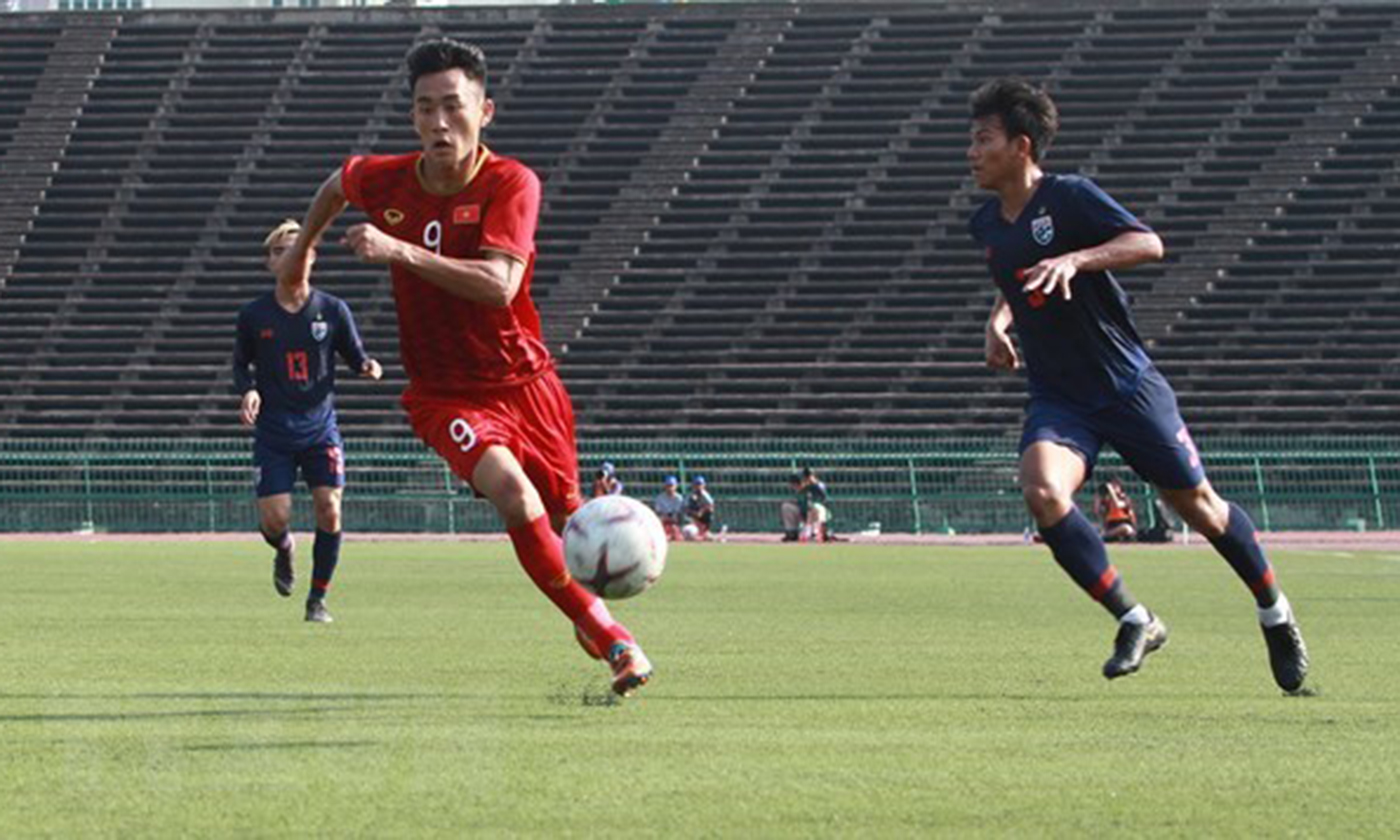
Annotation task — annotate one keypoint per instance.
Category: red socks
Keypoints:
(541, 553)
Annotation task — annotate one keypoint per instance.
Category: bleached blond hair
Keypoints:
(287, 226)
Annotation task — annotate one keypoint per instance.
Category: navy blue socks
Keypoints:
(1080, 551)
(1239, 545)
(326, 554)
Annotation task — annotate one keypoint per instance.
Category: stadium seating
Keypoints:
(755, 215)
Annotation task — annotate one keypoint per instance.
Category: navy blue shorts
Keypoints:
(275, 468)
(1146, 429)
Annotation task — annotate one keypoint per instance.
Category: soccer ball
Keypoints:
(615, 547)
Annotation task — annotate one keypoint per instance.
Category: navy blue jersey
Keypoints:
(1085, 351)
(293, 355)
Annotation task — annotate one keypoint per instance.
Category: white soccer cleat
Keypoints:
(630, 668)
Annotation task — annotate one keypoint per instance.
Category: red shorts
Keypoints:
(535, 421)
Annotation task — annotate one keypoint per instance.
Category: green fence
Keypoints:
(926, 485)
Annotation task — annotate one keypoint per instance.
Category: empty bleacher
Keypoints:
(754, 216)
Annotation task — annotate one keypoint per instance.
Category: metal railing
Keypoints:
(917, 485)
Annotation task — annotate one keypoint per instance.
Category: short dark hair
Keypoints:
(1025, 111)
(439, 54)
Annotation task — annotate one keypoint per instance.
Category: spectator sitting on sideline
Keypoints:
(670, 508)
(606, 482)
(815, 513)
(1116, 512)
(699, 509)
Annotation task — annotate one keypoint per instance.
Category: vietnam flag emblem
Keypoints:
(466, 214)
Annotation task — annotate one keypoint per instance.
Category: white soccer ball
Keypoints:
(615, 547)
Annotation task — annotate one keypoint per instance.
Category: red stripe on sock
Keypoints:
(1105, 583)
(1263, 583)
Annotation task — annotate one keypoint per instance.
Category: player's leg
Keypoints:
(1058, 452)
(549, 457)
(325, 551)
(323, 466)
(1152, 438)
(274, 520)
(1230, 530)
(501, 479)
(474, 438)
(1049, 475)
(276, 474)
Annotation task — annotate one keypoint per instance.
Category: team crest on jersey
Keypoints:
(392, 216)
(466, 214)
(1043, 229)
(320, 329)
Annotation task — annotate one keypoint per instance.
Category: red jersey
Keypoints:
(450, 345)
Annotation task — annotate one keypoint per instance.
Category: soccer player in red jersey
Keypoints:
(456, 224)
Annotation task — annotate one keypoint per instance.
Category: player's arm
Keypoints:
(329, 203)
(1001, 353)
(1125, 250)
(493, 280)
(243, 384)
(352, 349)
(507, 240)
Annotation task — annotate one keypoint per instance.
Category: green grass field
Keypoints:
(162, 689)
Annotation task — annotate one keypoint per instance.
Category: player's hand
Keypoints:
(1001, 353)
(371, 244)
(248, 412)
(371, 369)
(1048, 275)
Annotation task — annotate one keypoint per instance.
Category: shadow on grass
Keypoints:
(286, 705)
(284, 745)
(325, 703)
(868, 698)
(585, 694)
(324, 697)
(112, 717)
